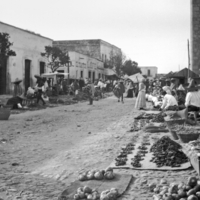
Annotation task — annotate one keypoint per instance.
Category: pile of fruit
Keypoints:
(166, 152)
(93, 194)
(97, 175)
(175, 191)
(140, 155)
(122, 157)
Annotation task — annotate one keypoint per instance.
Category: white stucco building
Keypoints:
(84, 66)
(150, 72)
(28, 60)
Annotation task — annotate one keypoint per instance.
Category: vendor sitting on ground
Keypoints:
(192, 101)
(169, 102)
(16, 102)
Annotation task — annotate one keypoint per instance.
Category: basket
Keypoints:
(170, 123)
(174, 135)
(4, 113)
(185, 138)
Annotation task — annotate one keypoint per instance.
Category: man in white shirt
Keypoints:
(169, 102)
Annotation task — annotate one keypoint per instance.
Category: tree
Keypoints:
(55, 57)
(130, 67)
(115, 62)
(5, 53)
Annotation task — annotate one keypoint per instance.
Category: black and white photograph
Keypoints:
(100, 100)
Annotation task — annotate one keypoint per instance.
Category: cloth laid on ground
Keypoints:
(120, 182)
(146, 164)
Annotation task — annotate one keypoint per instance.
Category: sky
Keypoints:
(150, 32)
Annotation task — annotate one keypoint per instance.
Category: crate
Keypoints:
(185, 138)
(4, 113)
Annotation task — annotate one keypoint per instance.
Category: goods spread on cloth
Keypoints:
(120, 183)
(164, 154)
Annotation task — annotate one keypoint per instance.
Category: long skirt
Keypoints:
(140, 101)
(130, 93)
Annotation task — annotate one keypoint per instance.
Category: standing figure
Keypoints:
(141, 101)
(40, 89)
(91, 92)
(119, 91)
(17, 88)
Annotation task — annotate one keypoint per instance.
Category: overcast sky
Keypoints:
(150, 32)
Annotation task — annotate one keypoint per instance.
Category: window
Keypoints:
(102, 57)
(93, 77)
(99, 75)
(149, 72)
(81, 74)
(105, 58)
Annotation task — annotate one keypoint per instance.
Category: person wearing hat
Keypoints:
(17, 88)
(141, 100)
(192, 100)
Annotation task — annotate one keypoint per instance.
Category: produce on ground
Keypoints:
(176, 191)
(166, 152)
(93, 194)
(97, 175)
(140, 154)
(122, 156)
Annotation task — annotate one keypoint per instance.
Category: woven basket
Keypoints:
(185, 138)
(174, 135)
(4, 113)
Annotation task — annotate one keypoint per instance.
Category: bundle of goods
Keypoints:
(87, 90)
(176, 191)
(159, 117)
(116, 92)
(166, 152)
(140, 155)
(122, 157)
(97, 175)
(93, 194)
(153, 128)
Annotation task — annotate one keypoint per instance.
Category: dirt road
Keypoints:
(43, 151)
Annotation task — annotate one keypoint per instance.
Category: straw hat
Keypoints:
(17, 81)
(37, 76)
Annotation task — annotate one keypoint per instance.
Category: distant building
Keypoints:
(28, 60)
(84, 66)
(98, 49)
(160, 75)
(149, 72)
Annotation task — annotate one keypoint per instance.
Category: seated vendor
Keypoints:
(169, 102)
(192, 100)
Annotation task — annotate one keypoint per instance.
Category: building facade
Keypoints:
(98, 49)
(28, 60)
(149, 72)
(83, 66)
(195, 36)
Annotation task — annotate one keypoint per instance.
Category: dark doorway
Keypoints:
(89, 74)
(93, 77)
(27, 81)
(3, 72)
(42, 67)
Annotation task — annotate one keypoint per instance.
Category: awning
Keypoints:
(109, 72)
(136, 78)
(52, 75)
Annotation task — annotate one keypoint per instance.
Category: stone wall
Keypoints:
(195, 36)
(87, 47)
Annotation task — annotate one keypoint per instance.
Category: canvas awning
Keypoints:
(53, 75)
(136, 78)
(109, 72)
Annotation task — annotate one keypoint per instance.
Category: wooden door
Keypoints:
(3, 72)
(42, 68)
(93, 77)
(27, 81)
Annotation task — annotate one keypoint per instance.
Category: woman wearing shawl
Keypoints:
(141, 101)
